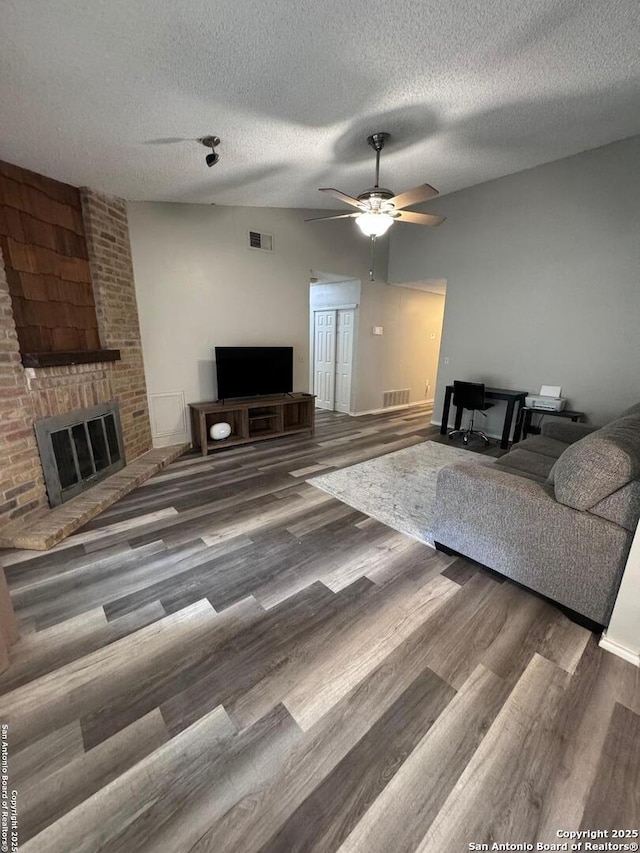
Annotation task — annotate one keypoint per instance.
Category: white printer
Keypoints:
(548, 400)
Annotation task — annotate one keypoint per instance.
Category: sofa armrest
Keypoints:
(567, 431)
(515, 526)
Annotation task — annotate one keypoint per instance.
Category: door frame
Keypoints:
(353, 306)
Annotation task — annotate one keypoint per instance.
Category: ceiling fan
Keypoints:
(379, 208)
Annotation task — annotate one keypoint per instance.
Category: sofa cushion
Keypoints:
(541, 444)
(599, 464)
(523, 462)
(565, 431)
(622, 507)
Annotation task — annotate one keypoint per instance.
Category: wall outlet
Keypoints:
(377, 330)
(446, 359)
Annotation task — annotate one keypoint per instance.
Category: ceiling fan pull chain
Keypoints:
(373, 246)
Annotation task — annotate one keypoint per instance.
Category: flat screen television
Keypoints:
(253, 371)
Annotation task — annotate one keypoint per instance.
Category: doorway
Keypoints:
(333, 353)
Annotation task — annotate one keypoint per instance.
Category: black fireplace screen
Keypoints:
(79, 449)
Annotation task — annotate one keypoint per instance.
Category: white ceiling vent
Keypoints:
(261, 241)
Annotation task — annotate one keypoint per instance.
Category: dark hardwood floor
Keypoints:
(229, 659)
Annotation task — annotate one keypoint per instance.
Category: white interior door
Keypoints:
(324, 358)
(344, 359)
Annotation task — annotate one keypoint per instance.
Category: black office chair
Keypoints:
(470, 395)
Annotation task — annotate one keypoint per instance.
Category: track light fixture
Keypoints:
(211, 142)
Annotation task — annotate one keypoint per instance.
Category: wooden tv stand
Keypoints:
(252, 419)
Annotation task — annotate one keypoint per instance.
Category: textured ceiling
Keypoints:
(113, 93)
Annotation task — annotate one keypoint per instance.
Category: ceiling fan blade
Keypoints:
(419, 218)
(415, 196)
(333, 216)
(342, 196)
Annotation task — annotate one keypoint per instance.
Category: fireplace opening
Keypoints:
(79, 449)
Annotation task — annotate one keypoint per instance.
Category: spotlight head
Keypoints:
(211, 142)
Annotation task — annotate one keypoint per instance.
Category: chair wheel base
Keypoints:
(466, 434)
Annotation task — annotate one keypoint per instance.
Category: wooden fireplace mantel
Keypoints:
(62, 359)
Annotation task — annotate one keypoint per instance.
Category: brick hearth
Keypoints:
(43, 533)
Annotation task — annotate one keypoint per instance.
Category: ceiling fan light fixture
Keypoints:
(374, 224)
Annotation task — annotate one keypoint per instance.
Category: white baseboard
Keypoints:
(391, 408)
(630, 655)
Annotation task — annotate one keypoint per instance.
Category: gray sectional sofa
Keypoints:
(556, 514)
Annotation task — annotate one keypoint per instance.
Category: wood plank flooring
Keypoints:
(229, 660)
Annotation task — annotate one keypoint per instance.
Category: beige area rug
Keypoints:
(398, 489)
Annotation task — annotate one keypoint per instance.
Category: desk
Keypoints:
(512, 398)
(528, 413)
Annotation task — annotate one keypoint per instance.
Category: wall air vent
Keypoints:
(396, 398)
(261, 241)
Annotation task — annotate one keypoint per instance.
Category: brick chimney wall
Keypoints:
(35, 393)
(107, 231)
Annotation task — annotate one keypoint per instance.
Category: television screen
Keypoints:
(250, 371)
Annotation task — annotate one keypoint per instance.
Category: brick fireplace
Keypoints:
(69, 331)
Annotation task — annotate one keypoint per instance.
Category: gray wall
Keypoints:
(543, 280)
